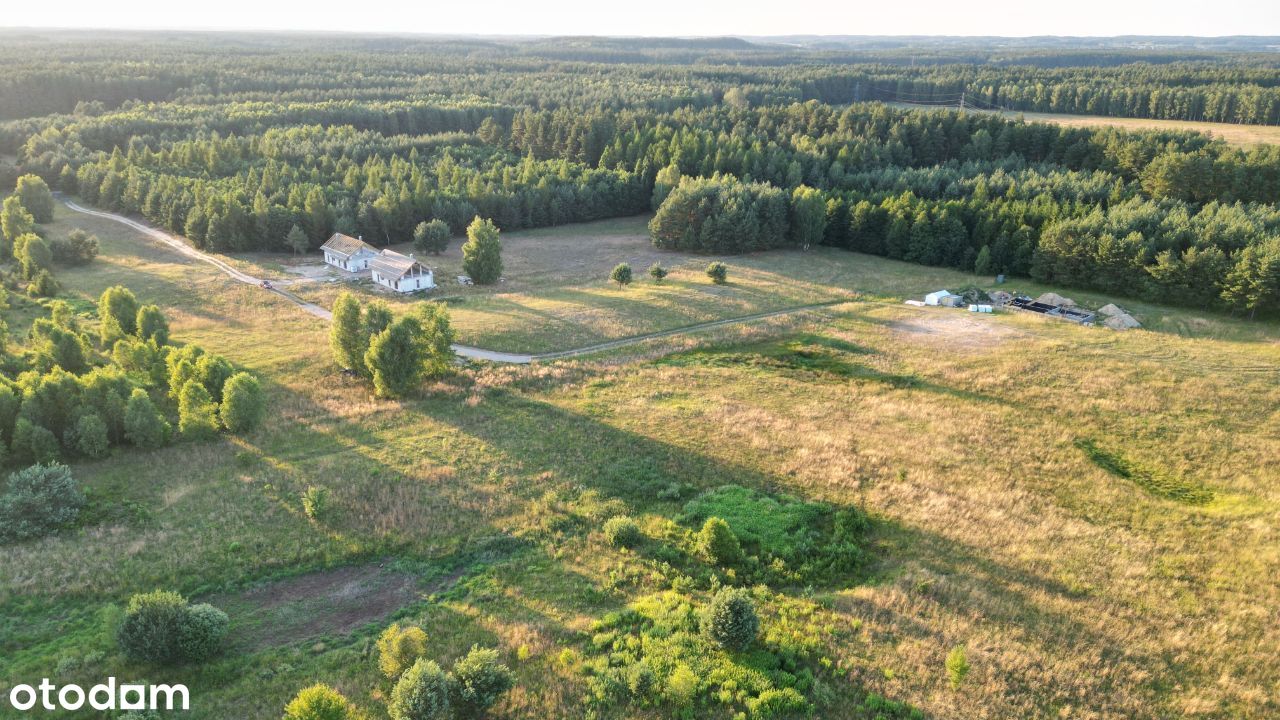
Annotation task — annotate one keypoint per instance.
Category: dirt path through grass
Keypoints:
(466, 351)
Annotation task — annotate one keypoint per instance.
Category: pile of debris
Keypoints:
(1116, 318)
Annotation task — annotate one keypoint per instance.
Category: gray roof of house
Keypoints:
(393, 265)
(346, 246)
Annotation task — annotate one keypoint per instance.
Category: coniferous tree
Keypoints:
(347, 334)
(482, 253)
(297, 240)
(621, 274)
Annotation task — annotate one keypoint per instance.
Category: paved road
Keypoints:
(466, 351)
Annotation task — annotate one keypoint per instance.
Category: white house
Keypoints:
(943, 297)
(401, 272)
(348, 253)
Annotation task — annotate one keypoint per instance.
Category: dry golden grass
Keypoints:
(1077, 593)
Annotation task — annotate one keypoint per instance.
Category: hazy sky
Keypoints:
(671, 17)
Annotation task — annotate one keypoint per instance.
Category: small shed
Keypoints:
(943, 297)
(347, 253)
(401, 273)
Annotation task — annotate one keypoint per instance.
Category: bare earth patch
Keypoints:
(331, 602)
(956, 327)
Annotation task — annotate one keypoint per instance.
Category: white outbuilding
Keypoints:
(943, 297)
(347, 253)
(401, 272)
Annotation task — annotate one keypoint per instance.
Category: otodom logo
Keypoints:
(104, 696)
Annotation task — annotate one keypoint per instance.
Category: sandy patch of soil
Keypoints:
(955, 328)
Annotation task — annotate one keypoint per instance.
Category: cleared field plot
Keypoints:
(1239, 135)
(985, 449)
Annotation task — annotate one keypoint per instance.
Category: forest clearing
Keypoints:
(708, 398)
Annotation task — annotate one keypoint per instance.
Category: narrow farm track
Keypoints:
(466, 351)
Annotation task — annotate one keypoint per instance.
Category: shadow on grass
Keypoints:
(575, 450)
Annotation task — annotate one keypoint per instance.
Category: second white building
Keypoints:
(401, 272)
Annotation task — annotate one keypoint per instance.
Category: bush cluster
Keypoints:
(396, 354)
(426, 692)
(161, 628)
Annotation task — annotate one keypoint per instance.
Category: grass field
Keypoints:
(1234, 134)
(988, 451)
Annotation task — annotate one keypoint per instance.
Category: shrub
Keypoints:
(395, 360)
(38, 500)
(319, 702)
(479, 680)
(140, 359)
(775, 703)
(43, 285)
(197, 413)
(160, 627)
(117, 313)
(144, 426)
(718, 544)
(34, 443)
(622, 531)
(55, 345)
(621, 274)
(431, 237)
(957, 666)
(91, 436)
(730, 621)
(422, 693)
(201, 632)
(152, 325)
(399, 648)
(718, 272)
(36, 197)
(657, 272)
(682, 685)
(151, 625)
(15, 222)
(34, 253)
(436, 341)
(482, 252)
(243, 403)
(78, 248)
(315, 502)
(213, 371)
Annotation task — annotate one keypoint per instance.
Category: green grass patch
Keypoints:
(1157, 483)
(791, 538)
